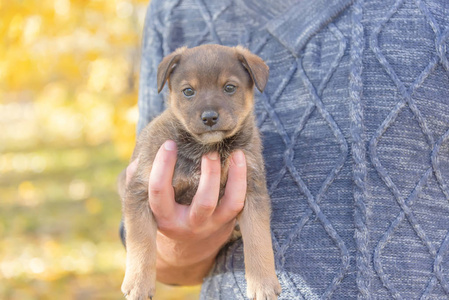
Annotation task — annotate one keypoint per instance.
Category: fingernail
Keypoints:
(239, 158)
(213, 156)
(170, 145)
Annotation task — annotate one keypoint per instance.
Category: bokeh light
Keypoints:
(68, 111)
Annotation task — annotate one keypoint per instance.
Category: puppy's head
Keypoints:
(211, 88)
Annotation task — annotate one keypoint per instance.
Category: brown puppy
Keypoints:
(210, 109)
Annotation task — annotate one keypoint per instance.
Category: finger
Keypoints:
(233, 199)
(130, 170)
(160, 189)
(206, 197)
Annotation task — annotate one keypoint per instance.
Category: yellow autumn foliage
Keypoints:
(68, 111)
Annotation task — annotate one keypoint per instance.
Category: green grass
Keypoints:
(59, 226)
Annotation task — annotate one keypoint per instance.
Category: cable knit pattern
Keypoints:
(355, 124)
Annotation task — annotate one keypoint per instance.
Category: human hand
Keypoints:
(189, 237)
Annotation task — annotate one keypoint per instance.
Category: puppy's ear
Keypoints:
(166, 67)
(255, 66)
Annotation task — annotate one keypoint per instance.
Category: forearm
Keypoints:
(188, 261)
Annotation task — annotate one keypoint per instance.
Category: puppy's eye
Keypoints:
(230, 89)
(188, 92)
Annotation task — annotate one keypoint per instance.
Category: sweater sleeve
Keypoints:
(150, 102)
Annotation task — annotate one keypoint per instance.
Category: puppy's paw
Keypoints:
(263, 289)
(139, 286)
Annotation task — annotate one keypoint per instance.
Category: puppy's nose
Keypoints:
(209, 117)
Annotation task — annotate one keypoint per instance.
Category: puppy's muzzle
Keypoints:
(209, 117)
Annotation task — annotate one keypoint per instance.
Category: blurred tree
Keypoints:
(68, 73)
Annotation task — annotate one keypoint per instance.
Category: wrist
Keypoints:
(179, 253)
(190, 249)
(192, 274)
(187, 260)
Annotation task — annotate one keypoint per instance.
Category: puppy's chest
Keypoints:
(187, 177)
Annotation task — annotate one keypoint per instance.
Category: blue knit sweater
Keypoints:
(355, 124)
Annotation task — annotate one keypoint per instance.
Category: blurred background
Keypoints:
(68, 95)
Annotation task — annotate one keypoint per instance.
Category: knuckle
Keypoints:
(197, 230)
(132, 167)
(164, 159)
(236, 208)
(213, 172)
(129, 173)
(155, 189)
(205, 208)
(200, 213)
(197, 219)
(194, 230)
(167, 226)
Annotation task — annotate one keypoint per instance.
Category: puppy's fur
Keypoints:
(213, 116)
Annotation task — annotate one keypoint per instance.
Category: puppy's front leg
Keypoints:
(254, 224)
(141, 227)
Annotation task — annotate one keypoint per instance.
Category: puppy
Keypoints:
(210, 109)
